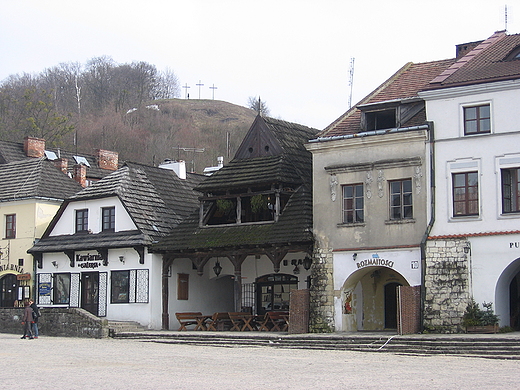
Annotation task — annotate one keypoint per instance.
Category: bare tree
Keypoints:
(255, 103)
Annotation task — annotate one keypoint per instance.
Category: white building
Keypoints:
(94, 254)
(474, 243)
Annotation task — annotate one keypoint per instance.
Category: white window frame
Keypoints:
(475, 104)
(506, 161)
(463, 166)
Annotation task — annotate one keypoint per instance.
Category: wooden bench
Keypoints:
(187, 319)
(275, 321)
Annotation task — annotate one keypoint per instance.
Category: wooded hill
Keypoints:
(197, 131)
(128, 108)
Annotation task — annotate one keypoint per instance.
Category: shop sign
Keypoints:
(89, 261)
(375, 261)
(514, 245)
(23, 277)
(11, 267)
(44, 289)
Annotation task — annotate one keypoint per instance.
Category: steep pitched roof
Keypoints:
(404, 84)
(34, 178)
(286, 161)
(272, 152)
(155, 198)
(487, 62)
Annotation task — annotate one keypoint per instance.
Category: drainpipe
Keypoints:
(432, 219)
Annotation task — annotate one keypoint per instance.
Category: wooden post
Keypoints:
(165, 293)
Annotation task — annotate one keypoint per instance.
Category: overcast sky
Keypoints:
(294, 54)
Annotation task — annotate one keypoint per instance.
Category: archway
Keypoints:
(369, 300)
(507, 296)
(8, 290)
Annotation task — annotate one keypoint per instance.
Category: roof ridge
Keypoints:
(484, 45)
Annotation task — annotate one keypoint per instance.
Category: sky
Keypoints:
(296, 55)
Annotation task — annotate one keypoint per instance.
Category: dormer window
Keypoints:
(514, 54)
(378, 120)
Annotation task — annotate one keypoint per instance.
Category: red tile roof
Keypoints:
(405, 83)
(487, 62)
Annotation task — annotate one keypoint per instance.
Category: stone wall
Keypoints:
(65, 322)
(321, 313)
(447, 285)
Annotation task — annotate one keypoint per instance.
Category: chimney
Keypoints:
(179, 167)
(80, 174)
(107, 159)
(464, 48)
(34, 147)
(62, 164)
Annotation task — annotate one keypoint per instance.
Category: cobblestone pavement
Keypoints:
(73, 363)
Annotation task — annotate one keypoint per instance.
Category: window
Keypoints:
(401, 199)
(61, 290)
(82, 221)
(129, 286)
(378, 120)
(120, 286)
(353, 210)
(109, 218)
(465, 194)
(477, 119)
(182, 286)
(510, 190)
(10, 226)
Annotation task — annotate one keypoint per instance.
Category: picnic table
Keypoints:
(242, 321)
(275, 321)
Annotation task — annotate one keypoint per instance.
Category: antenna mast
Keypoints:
(505, 15)
(351, 81)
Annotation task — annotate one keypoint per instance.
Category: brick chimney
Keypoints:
(34, 147)
(107, 159)
(62, 164)
(80, 174)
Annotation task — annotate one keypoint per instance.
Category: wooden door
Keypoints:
(90, 292)
(391, 305)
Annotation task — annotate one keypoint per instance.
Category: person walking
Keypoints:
(27, 320)
(36, 314)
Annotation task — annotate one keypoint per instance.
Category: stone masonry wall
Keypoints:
(447, 285)
(65, 322)
(321, 313)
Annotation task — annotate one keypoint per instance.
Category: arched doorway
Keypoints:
(8, 290)
(369, 300)
(507, 296)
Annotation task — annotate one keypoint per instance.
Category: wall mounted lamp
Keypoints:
(307, 262)
(55, 263)
(122, 259)
(354, 256)
(217, 268)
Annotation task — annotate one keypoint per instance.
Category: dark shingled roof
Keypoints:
(35, 178)
(13, 151)
(292, 165)
(404, 84)
(155, 198)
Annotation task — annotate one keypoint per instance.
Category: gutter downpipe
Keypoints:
(430, 223)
